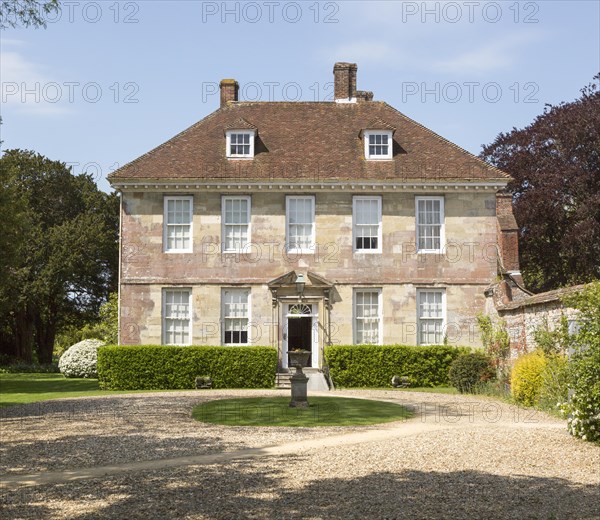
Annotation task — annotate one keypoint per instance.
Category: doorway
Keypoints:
(300, 331)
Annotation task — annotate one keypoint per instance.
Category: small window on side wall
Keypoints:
(378, 145)
(240, 144)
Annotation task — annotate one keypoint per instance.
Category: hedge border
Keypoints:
(374, 365)
(159, 367)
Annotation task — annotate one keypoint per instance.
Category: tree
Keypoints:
(62, 261)
(26, 12)
(555, 163)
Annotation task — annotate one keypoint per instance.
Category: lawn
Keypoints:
(30, 388)
(23, 388)
(274, 411)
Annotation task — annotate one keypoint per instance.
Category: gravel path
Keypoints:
(460, 457)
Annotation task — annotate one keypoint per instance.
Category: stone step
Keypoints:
(316, 380)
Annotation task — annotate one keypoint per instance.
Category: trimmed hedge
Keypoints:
(374, 365)
(157, 367)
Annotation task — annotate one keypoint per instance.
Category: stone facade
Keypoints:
(463, 270)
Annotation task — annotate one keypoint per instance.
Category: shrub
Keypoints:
(375, 365)
(527, 377)
(470, 371)
(495, 339)
(156, 367)
(80, 359)
(555, 382)
(584, 370)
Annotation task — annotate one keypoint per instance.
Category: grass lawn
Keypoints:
(430, 390)
(274, 411)
(30, 388)
(26, 388)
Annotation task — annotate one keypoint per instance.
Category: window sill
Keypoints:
(178, 251)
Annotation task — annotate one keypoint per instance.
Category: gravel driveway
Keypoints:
(459, 457)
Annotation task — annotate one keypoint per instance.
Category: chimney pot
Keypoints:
(229, 91)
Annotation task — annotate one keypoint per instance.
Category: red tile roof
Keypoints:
(319, 141)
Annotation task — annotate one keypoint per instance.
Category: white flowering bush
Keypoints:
(583, 409)
(80, 360)
(584, 417)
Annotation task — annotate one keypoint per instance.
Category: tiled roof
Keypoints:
(378, 124)
(317, 141)
(240, 124)
(541, 298)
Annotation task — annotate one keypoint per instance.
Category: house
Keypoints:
(302, 224)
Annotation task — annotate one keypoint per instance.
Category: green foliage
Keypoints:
(496, 341)
(584, 406)
(527, 378)
(26, 13)
(555, 382)
(374, 365)
(18, 367)
(59, 258)
(469, 371)
(156, 367)
(555, 341)
(106, 329)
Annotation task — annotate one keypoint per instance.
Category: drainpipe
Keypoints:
(119, 273)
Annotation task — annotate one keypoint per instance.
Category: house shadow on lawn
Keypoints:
(251, 489)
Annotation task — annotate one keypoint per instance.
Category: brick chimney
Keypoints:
(508, 236)
(344, 82)
(229, 91)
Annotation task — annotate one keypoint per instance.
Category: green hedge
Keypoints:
(156, 367)
(374, 365)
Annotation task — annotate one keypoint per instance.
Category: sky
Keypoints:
(107, 81)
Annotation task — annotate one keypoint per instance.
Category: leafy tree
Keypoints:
(63, 252)
(555, 163)
(26, 12)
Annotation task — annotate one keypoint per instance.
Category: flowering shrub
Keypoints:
(80, 360)
(584, 407)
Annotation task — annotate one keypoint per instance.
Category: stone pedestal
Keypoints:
(299, 393)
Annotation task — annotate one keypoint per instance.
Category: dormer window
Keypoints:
(378, 144)
(240, 144)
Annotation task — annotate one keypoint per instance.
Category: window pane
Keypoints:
(367, 317)
(177, 317)
(300, 223)
(235, 316)
(429, 224)
(367, 222)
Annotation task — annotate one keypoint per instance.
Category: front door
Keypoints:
(300, 332)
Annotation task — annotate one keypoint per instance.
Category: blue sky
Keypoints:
(107, 81)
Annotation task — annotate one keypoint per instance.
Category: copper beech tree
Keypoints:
(555, 163)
